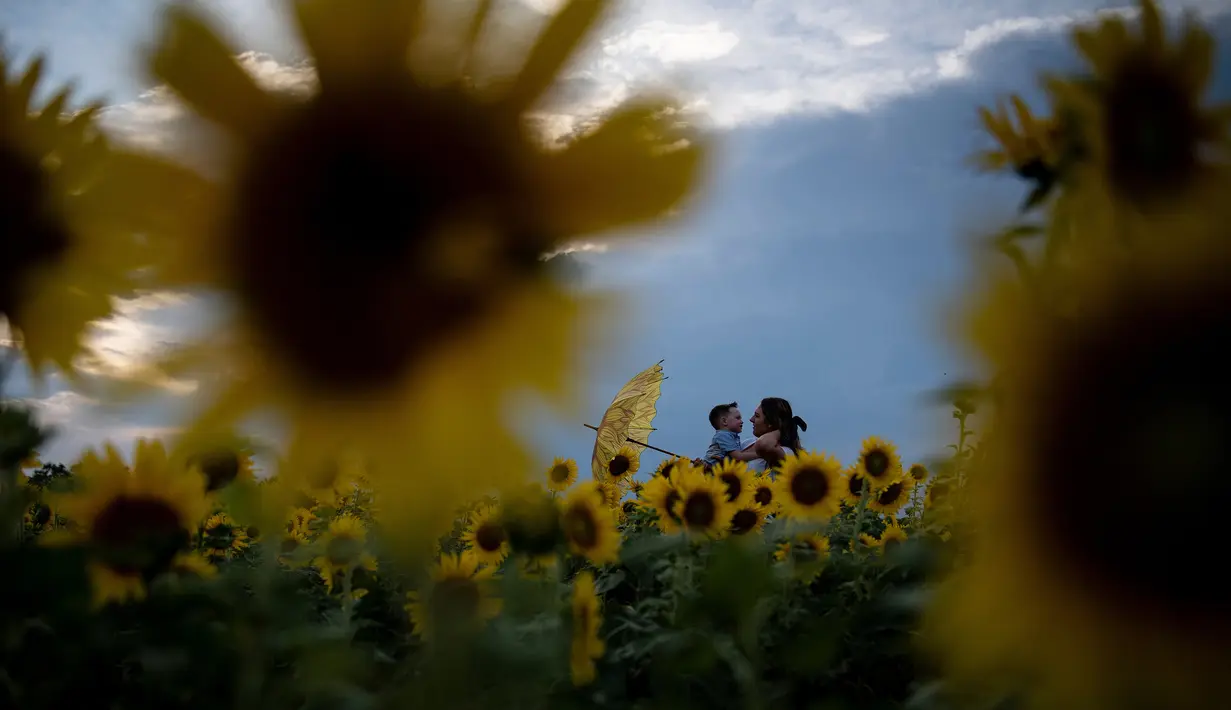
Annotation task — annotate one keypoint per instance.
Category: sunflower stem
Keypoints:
(860, 509)
(348, 600)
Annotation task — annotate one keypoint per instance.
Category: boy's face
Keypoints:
(733, 421)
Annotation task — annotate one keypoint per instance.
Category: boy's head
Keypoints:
(727, 416)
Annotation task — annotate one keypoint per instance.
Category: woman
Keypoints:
(777, 430)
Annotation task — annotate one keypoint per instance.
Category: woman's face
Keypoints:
(758, 423)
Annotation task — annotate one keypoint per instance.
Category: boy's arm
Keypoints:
(729, 441)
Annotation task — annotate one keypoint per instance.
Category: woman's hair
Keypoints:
(780, 418)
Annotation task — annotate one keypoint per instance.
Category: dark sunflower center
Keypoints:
(669, 502)
(629, 507)
(559, 474)
(877, 463)
(809, 486)
(324, 476)
(288, 545)
(253, 531)
(456, 598)
(533, 527)
(343, 550)
(138, 534)
(854, 484)
(734, 485)
(42, 514)
(764, 495)
(1156, 410)
(889, 496)
(667, 469)
(918, 472)
(939, 491)
(699, 510)
(580, 528)
(220, 537)
(220, 468)
(364, 193)
(619, 466)
(489, 537)
(744, 521)
(1153, 129)
(31, 234)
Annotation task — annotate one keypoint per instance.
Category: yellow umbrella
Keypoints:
(628, 418)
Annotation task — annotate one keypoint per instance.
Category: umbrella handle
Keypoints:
(639, 443)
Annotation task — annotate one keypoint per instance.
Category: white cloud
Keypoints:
(673, 43)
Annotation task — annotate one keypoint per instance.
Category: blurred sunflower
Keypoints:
(300, 521)
(221, 538)
(561, 474)
(343, 549)
(460, 593)
(890, 499)
(1100, 380)
(222, 459)
(609, 493)
(870, 540)
(763, 492)
(661, 495)
(702, 508)
(291, 542)
(587, 645)
(532, 522)
(737, 478)
(404, 180)
(193, 564)
(133, 522)
(893, 534)
(807, 551)
(808, 486)
(748, 518)
(486, 536)
(624, 465)
(589, 527)
(938, 493)
(68, 249)
(918, 472)
(1030, 148)
(39, 515)
(1150, 147)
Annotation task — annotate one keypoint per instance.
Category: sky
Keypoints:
(817, 263)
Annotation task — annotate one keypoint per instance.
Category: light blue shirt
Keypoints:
(723, 443)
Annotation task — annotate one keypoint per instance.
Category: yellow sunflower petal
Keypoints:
(345, 36)
(201, 68)
(1152, 28)
(554, 47)
(616, 177)
(1196, 54)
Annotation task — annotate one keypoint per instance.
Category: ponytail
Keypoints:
(800, 423)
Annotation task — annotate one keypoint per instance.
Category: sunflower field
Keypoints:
(1059, 556)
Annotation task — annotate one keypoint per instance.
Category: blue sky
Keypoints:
(816, 264)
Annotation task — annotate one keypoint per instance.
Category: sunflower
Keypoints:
(870, 540)
(222, 459)
(763, 492)
(623, 465)
(808, 486)
(133, 521)
(290, 543)
(486, 536)
(807, 551)
(893, 534)
(444, 298)
(748, 518)
(1032, 148)
(879, 462)
(737, 478)
(561, 474)
(938, 493)
(69, 238)
(460, 593)
(300, 521)
(221, 538)
(343, 549)
(667, 467)
(587, 645)
(1044, 561)
(918, 472)
(890, 499)
(661, 495)
(609, 493)
(589, 528)
(703, 509)
(1144, 132)
(532, 522)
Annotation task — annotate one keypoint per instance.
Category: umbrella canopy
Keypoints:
(629, 416)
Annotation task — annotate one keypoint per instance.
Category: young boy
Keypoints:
(727, 423)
